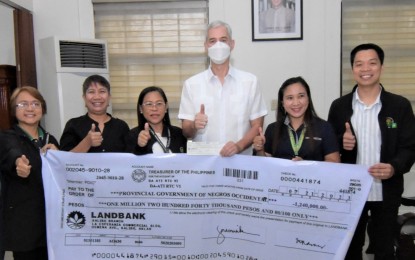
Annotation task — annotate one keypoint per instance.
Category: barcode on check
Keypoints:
(238, 173)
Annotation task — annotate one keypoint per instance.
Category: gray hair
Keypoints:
(216, 24)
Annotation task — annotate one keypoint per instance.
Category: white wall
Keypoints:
(63, 18)
(27, 4)
(316, 57)
(7, 53)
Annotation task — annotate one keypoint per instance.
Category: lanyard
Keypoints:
(296, 145)
(165, 148)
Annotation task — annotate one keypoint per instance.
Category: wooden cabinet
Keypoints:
(7, 85)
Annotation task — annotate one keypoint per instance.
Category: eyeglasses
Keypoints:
(156, 104)
(25, 105)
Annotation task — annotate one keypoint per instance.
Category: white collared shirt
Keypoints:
(230, 107)
(368, 137)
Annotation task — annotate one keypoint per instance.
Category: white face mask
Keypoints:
(219, 52)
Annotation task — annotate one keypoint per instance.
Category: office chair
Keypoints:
(405, 240)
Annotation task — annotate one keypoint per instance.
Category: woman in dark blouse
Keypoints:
(298, 133)
(97, 131)
(154, 133)
(24, 217)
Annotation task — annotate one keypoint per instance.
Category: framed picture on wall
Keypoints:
(277, 20)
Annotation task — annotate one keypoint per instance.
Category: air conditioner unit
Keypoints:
(64, 65)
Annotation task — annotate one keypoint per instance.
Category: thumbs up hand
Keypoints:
(144, 136)
(23, 166)
(95, 138)
(349, 140)
(259, 141)
(201, 119)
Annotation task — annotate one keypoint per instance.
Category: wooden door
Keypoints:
(7, 85)
(24, 73)
(25, 48)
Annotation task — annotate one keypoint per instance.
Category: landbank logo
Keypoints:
(138, 175)
(75, 220)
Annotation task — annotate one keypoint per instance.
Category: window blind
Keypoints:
(389, 24)
(151, 43)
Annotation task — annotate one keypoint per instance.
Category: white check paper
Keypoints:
(203, 148)
(176, 206)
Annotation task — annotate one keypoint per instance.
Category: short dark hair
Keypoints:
(367, 46)
(95, 79)
(141, 119)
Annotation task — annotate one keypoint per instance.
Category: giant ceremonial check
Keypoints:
(122, 206)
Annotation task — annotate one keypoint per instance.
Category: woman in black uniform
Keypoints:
(298, 133)
(21, 166)
(154, 133)
(96, 131)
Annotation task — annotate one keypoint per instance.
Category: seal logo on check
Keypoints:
(75, 220)
(138, 175)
